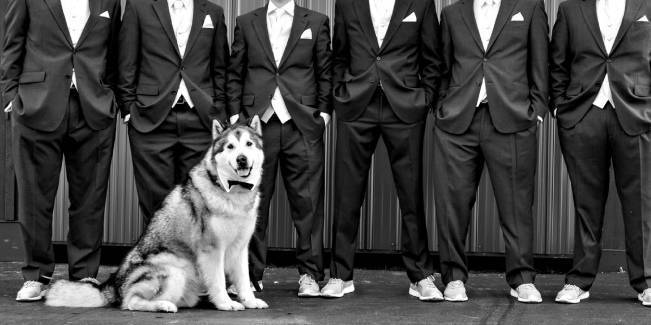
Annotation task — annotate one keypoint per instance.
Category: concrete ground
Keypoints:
(381, 298)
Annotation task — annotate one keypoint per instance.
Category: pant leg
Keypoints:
(405, 147)
(88, 156)
(194, 140)
(356, 142)
(271, 134)
(632, 166)
(37, 160)
(511, 160)
(301, 166)
(458, 164)
(587, 155)
(153, 156)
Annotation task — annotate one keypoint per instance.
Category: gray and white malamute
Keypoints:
(198, 240)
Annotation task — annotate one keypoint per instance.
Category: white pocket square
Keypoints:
(410, 19)
(644, 19)
(207, 22)
(105, 14)
(518, 17)
(307, 34)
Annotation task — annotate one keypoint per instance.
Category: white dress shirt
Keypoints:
(610, 14)
(279, 26)
(76, 13)
(181, 15)
(381, 12)
(485, 15)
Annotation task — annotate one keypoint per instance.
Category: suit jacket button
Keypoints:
(379, 58)
(485, 60)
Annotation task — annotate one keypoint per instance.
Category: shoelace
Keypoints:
(528, 286)
(428, 282)
(455, 284)
(306, 279)
(333, 282)
(31, 284)
(571, 287)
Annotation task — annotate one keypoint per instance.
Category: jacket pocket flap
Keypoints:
(31, 77)
(308, 100)
(412, 82)
(147, 90)
(248, 100)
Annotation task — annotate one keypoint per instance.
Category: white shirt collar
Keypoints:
(186, 3)
(288, 8)
(488, 2)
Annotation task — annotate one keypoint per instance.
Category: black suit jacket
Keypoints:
(515, 66)
(151, 66)
(579, 63)
(304, 75)
(407, 64)
(38, 58)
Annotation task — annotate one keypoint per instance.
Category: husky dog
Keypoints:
(198, 239)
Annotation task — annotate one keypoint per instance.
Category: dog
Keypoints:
(198, 240)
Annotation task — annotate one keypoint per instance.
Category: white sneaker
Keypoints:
(455, 291)
(31, 291)
(645, 297)
(337, 288)
(571, 294)
(527, 293)
(308, 287)
(425, 290)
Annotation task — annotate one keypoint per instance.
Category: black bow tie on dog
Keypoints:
(247, 186)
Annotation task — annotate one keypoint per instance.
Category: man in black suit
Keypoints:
(173, 59)
(494, 92)
(58, 74)
(386, 77)
(601, 93)
(280, 69)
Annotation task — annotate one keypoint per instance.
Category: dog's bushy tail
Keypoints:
(65, 293)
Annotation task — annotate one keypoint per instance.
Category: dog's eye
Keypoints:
(230, 146)
(249, 143)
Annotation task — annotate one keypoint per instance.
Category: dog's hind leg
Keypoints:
(137, 303)
(239, 274)
(212, 270)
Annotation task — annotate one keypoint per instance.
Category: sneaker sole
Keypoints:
(414, 293)
(309, 295)
(514, 294)
(460, 299)
(346, 291)
(32, 299)
(583, 296)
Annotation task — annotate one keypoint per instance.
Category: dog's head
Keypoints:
(236, 155)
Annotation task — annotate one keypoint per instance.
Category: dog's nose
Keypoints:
(242, 161)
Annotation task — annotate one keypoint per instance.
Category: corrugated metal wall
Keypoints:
(380, 214)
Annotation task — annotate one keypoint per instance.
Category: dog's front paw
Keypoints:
(229, 305)
(166, 306)
(255, 303)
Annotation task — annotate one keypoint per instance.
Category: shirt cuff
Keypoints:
(233, 119)
(326, 118)
(540, 119)
(127, 118)
(9, 107)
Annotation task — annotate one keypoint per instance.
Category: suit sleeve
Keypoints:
(323, 67)
(111, 77)
(430, 55)
(539, 60)
(339, 45)
(560, 59)
(16, 23)
(236, 71)
(447, 50)
(129, 58)
(220, 60)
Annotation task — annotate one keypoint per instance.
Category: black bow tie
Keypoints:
(247, 186)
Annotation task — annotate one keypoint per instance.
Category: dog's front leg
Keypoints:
(212, 268)
(242, 282)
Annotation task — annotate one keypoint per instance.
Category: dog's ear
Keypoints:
(217, 129)
(256, 125)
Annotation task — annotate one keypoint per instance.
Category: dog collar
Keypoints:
(247, 186)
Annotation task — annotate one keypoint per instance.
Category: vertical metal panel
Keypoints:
(380, 215)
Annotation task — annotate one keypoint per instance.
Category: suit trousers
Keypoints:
(301, 167)
(356, 143)
(38, 157)
(163, 157)
(589, 148)
(458, 164)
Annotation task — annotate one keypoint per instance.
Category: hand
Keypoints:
(326, 118)
(9, 107)
(234, 118)
(127, 118)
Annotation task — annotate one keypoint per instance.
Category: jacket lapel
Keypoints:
(198, 17)
(363, 10)
(163, 13)
(468, 16)
(60, 18)
(299, 24)
(589, 10)
(503, 16)
(261, 31)
(400, 10)
(632, 9)
(92, 20)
